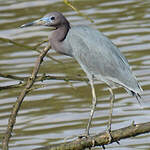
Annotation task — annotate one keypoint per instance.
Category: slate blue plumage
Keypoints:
(97, 55)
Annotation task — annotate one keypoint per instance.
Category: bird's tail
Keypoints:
(136, 93)
(138, 97)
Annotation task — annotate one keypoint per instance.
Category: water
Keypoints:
(59, 109)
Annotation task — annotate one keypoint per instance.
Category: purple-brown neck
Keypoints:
(61, 31)
(58, 36)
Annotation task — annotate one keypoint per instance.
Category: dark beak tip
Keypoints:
(27, 25)
(22, 26)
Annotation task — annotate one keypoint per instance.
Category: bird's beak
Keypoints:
(41, 21)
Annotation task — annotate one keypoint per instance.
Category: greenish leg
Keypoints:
(93, 106)
(112, 97)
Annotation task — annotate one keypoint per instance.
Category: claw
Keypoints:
(83, 136)
(103, 147)
(109, 136)
(118, 142)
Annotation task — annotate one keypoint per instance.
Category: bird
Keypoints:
(97, 55)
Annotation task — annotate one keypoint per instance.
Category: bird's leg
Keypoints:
(93, 106)
(112, 97)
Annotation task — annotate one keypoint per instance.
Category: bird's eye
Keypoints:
(52, 18)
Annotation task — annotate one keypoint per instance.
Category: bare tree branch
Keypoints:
(13, 77)
(21, 84)
(46, 77)
(19, 100)
(39, 78)
(101, 139)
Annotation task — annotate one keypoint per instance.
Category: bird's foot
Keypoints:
(76, 136)
(110, 138)
(108, 131)
(87, 136)
(83, 136)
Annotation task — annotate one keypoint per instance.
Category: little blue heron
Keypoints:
(98, 56)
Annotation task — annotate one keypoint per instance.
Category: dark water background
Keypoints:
(58, 110)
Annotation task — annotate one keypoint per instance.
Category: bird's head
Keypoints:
(53, 19)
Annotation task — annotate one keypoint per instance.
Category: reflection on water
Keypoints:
(58, 110)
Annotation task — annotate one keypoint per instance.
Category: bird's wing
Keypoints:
(98, 56)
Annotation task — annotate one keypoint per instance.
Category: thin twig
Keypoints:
(30, 47)
(46, 77)
(40, 43)
(40, 78)
(75, 9)
(19, 100)
(12, 86)
(13, 77)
